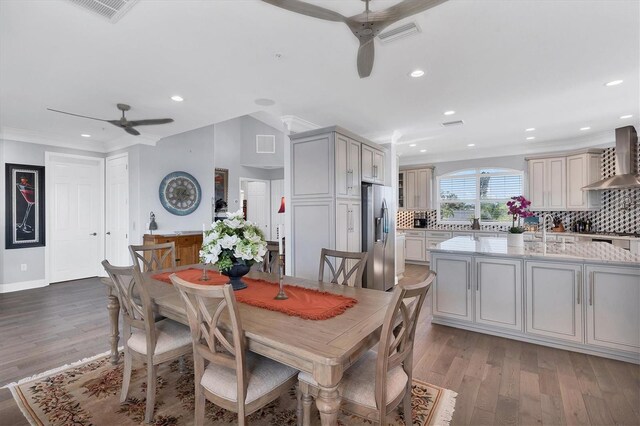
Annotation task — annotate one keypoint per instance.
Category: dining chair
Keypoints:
(379, 381)
(152, 257)
(271, 261)
(233, 378)
(350, 266)
(145, 339)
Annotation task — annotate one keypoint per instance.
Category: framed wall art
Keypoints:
(221, 189)
(25, 224)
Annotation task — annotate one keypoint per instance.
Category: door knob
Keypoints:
(109, 233)
(94, 234)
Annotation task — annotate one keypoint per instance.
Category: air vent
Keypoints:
(112, 10)
(399, 32)
(453, 123)
(265, 144)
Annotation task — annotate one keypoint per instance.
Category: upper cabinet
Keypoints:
(415, 189)
(555, 183)
(347, 167)
(372, 165)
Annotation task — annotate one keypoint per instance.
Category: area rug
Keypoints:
(88, 393)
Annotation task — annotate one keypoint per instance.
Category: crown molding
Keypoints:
(297, 125)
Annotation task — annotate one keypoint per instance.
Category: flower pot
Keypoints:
(235, 274)
(515, 240)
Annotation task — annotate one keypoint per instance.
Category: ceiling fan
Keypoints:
(365, 26)
(123, 123)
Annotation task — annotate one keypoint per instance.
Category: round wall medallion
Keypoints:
(180, 193)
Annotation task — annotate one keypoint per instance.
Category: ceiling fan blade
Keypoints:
(150, 122)
(77, 115)
(308, 9)
(132, 131)
(366, 54)
(404, 9)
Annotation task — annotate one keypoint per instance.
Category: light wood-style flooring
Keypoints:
(498, 381)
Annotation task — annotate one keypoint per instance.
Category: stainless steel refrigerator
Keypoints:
(378, 236)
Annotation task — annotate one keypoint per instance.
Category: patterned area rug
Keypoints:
(88, 393)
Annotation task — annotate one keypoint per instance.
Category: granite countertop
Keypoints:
(537, 234)
(592, 252)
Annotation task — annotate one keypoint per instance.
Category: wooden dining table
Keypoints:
(323, 348)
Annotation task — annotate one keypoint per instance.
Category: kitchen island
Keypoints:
(583, 297)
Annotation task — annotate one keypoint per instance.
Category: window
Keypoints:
(482, 193)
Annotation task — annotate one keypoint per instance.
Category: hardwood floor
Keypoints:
(499, 381)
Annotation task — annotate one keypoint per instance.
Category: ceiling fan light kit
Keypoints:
(123, 123)
(365, 26)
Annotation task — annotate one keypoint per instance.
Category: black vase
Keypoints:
(235, 274)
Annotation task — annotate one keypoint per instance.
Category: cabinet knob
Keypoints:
(108, 232)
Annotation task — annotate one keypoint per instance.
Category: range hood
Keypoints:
(626, 157)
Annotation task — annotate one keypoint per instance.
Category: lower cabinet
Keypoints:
(400, 247)
(187, 247)
(498, 287)
(613, 313)
(348, 229)
(554, 298)
(415, 248)
(452, 287)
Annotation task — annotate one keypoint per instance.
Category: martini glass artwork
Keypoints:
(26, 190)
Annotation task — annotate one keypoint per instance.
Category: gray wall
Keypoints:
(10, 260)
(252, 127)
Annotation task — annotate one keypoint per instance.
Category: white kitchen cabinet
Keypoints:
(452, 295)
(418, 189)
(311, 221)
(582, 170)
(400, 255)
(347, 167)
(613, 317)
(373, 165)
(498, 287)
(547, 183)
(554, 294)
(401, 191)
(348, 228)
(415, 248)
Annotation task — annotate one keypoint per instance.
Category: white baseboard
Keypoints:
(22, 285)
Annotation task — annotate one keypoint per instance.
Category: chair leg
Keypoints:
(406, 409)
(126, 376)
(200, 406)
(151, 392)
(299, 410)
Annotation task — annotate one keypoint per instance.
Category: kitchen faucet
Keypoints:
(544, 227)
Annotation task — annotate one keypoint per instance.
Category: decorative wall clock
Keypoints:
(180, 193)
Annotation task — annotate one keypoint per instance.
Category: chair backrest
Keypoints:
(398, 332)
(152, 257)
(135, 302)
(350, 266)
(210, 341)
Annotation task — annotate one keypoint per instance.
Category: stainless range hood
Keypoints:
(626, 156)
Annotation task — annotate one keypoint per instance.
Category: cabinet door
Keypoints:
(400, 248)
(343, 174)
(353, 178)
(378, 166)
(576, 179)
(354, 242)
(313, 167)
(537, 182)
(401, 191)
(498, 292)
(554, 300)
(452, 286)
(411, 199)
(312, 228)
(415, 249)
(556, 184)
(423, 184)
(613, 317)
(343, 224)
(367, 163)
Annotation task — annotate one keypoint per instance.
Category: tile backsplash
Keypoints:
(620, 210)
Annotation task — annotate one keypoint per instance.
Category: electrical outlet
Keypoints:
(23, 267)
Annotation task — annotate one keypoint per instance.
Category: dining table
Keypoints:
(323, 348)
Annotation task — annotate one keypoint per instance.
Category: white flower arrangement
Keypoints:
(233, 240)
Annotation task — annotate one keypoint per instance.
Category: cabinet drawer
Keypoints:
(186, 241)
(416, 234)
(433, 242)
(438, 234)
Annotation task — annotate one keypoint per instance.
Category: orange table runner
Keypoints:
(302, 302)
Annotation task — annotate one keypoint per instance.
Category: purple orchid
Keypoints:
(518, 208)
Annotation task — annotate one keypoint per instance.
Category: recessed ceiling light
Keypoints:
(416, 73)
(449, 112)
(530, 129)
(84, 135)
(530, 138)
(585, 128)
(412, 145)
(614, 83)
(177, 98)
(471, 144)
(264, 102)
(626, 116)
(423, 150)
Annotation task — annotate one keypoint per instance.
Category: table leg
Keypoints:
(114, 313)
(328, 403)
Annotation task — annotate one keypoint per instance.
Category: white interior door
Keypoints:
(117, 211)
(258, 205)
(75, 200)
(277, 192)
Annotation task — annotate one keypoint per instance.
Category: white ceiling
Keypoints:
(502, 65)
